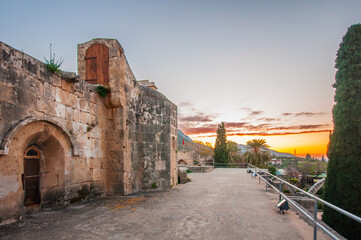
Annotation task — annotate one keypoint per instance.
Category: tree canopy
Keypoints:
(220, 147)
(257, 153)
(343, 183)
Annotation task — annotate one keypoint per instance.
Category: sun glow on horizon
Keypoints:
(313, 143)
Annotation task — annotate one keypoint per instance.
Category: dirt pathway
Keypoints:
(222, 204)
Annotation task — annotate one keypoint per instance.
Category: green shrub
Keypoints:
(320, 192)
(286, 191)
(102, 90)
(154, 185)
(294, 181)
(272, 170)
(188, 171)
(320, 205)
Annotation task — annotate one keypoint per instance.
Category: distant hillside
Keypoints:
(243, 149)
(182, 136)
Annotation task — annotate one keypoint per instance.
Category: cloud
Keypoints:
(303, 114)
(252, 112)
(246, 128)
(309, 114)
(255, 113)
(274, 133)
(302, 127)
(207, 128)
(269, 119)
(198, 117)
(235, 124)
(185, 104)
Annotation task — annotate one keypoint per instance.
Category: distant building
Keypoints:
(276, 161)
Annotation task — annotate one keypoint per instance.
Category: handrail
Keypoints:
(314, 220)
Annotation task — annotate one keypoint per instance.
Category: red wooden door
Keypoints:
(97, 64)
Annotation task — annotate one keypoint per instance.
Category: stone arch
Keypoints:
(182, 162)
(4, 148)
(55, 150)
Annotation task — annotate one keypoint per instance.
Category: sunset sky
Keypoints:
(265, 68)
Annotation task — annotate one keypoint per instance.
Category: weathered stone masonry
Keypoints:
(87, 145)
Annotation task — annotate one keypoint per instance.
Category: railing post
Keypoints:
(266, 184)
(315, 219)
(280, 187)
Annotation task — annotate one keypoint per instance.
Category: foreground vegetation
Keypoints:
(343, 184)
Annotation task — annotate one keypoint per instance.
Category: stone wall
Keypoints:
(89, 146)
(186, 157)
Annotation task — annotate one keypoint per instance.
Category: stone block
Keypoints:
(7, 93)
(76, 115)
(182, 175)
(56, 81)
(89, 153)
(79, 86)
(69, 113)
(160, 165)
(59, 110)
(69, 87)
(49, 91)
(63, 97)
(96, 174)
(83, 105)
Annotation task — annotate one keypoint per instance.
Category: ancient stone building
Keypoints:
(61, 142)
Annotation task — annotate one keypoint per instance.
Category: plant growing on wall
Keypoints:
(102, 90)
(52, 64)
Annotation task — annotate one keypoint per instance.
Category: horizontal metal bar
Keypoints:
(300, 209)
(344, 212)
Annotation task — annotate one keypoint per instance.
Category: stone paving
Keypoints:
(222, 204)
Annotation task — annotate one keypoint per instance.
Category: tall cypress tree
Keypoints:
(343, 183)
(220, 148)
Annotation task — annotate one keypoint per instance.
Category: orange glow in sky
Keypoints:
(312, 143)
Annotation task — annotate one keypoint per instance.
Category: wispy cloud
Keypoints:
(274, 133)
(246, 128)
(198, 117)
(303, 114)
(269, 119)
(207, 128)
(255, 113)
(252, 112)
(185, 104)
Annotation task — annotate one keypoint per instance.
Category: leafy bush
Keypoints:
(188, 171)
(320, 192)
(52, 64)
(154, 185)
(102, 90)
(272, 170)
(320, 205)
(294, 181)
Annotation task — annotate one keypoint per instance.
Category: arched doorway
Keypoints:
(182, 162)
(31, 176)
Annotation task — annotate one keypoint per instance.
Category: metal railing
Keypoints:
(317, 199)
(230, 165)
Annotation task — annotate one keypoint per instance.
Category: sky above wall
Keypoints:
(265, 68)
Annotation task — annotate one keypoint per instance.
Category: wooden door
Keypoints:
(97, 64)
(31, 176)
